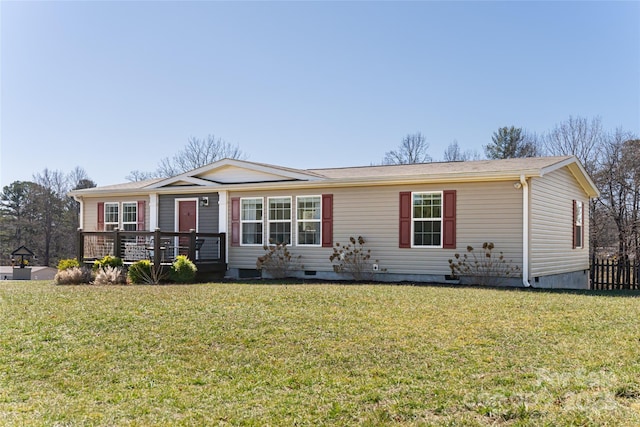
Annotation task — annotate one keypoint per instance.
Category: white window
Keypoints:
(279, 220)
(111, 216)
(251, 221)
(578, 224)
(130, 216)
(426, 219)
(309, 220)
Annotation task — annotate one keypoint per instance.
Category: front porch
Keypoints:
(206, 250)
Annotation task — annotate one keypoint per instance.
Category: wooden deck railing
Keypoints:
(160, 247)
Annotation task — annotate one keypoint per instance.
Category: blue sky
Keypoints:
(116, 86)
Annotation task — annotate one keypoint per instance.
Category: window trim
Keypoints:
(441, 220)
(243, 222)
(106, 214)
(122, 222)
(319, 221)
(279, 221)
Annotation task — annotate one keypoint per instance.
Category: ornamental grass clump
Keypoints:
(353, 259)
(484, 268)
(73, 276)
(278, 261)
(109, 276)
(183, 270)
(144, 272)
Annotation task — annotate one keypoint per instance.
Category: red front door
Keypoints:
(186, 222)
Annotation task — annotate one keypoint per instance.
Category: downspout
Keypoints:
(223, 223)
(80, 212)
(525, 231)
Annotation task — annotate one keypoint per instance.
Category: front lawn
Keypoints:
(246, 354)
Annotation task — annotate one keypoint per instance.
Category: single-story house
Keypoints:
(414, 217)
(34, 272)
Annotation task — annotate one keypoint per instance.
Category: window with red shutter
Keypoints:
(427, 219)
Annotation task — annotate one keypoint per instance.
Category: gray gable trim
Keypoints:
(214, 174)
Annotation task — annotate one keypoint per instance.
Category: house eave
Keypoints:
(385, 181)
(327, 182)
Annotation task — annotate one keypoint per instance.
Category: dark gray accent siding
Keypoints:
(207, 215)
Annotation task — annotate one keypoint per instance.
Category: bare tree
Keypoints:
(50, 199)
(578, 137)
(618, 178)
(585, 139)
(453, 153)
(197, 153)
(138, 175)
(412, 149)
(78, 179)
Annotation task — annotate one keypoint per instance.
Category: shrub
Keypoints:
(109, 276)
(107, 261)
(72, 276)
(278, 261)
(484, 269)
(65, 264)
(183, 270)
(352, 259)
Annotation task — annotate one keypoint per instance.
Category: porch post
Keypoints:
(117, 250)
(153, 211)
(192, 244)
(157, 256)
(80, 246)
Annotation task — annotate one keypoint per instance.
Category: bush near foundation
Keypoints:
(278, 261)
(483, 268)
(183, 270)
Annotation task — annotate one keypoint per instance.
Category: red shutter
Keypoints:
(327, 220)
(573, 223)
(449, 220)
(405, 219)
(141, 214)
(100, 216)
(235, 221)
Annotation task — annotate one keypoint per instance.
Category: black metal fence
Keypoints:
(160, 247)
(615, 274)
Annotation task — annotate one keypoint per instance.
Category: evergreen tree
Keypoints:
(510, 143)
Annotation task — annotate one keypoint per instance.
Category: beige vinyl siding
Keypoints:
(90, 209)
(551, 227)
(485, 212)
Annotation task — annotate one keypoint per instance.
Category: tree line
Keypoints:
(40, 215)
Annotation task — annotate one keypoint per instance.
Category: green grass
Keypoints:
(246, 354)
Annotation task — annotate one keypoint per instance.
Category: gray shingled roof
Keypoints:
(443, 168)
